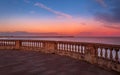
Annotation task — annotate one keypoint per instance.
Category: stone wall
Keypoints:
(103, 55)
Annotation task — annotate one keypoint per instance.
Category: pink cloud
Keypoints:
(60, 14)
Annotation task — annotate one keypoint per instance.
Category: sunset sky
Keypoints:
(73, 17)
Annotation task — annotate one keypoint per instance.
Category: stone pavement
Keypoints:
(13, 62)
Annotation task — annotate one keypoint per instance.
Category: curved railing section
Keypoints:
(103, 55)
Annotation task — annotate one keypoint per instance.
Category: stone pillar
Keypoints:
(90, 54)
(17, 44)
(50, 47)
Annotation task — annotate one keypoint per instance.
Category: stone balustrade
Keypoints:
(103, 55)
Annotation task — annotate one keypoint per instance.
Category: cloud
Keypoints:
(26, 1)
(112, 26)
(60, 14)
(112, 17)
(32, 12)
(102, 3)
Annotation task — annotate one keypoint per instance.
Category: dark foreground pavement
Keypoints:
(36, 63)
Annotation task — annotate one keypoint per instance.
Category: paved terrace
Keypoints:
(14, 62)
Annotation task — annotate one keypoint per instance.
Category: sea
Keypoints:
(103, 40)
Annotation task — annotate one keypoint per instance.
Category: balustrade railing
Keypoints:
(7, 43)
(70, 46)
(105, 55)
(29, 43)
(109, 52)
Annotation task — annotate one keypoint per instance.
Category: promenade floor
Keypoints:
(13, 62)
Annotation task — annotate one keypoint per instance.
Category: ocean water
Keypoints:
(104, 40)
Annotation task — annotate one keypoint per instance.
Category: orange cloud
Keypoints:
(78, 26)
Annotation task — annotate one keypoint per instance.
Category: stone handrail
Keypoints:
(103, 55)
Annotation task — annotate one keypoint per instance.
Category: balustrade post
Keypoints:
(90, 55)
(49, 46)
(17, 44)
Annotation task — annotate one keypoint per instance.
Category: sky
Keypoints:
(70, 17)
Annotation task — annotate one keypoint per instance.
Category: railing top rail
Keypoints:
(70, 42)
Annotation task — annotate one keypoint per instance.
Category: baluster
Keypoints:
(28, 44)
(25, 43)
(67, 47)
(75, 47)
(70, 47)
(62, 46)
(40, 44)
(79, 48)
(33, 43)
(101, 52)
(58, 46)
(7, 43)
(37, 44)
(111, 56)
(22, 43)
(106, 53)
(4, 43)
(83, 49)
(116, 57)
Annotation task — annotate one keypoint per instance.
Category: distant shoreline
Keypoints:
(37, 36)
(59, 36)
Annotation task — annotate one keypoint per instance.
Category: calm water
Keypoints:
(105, 40)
